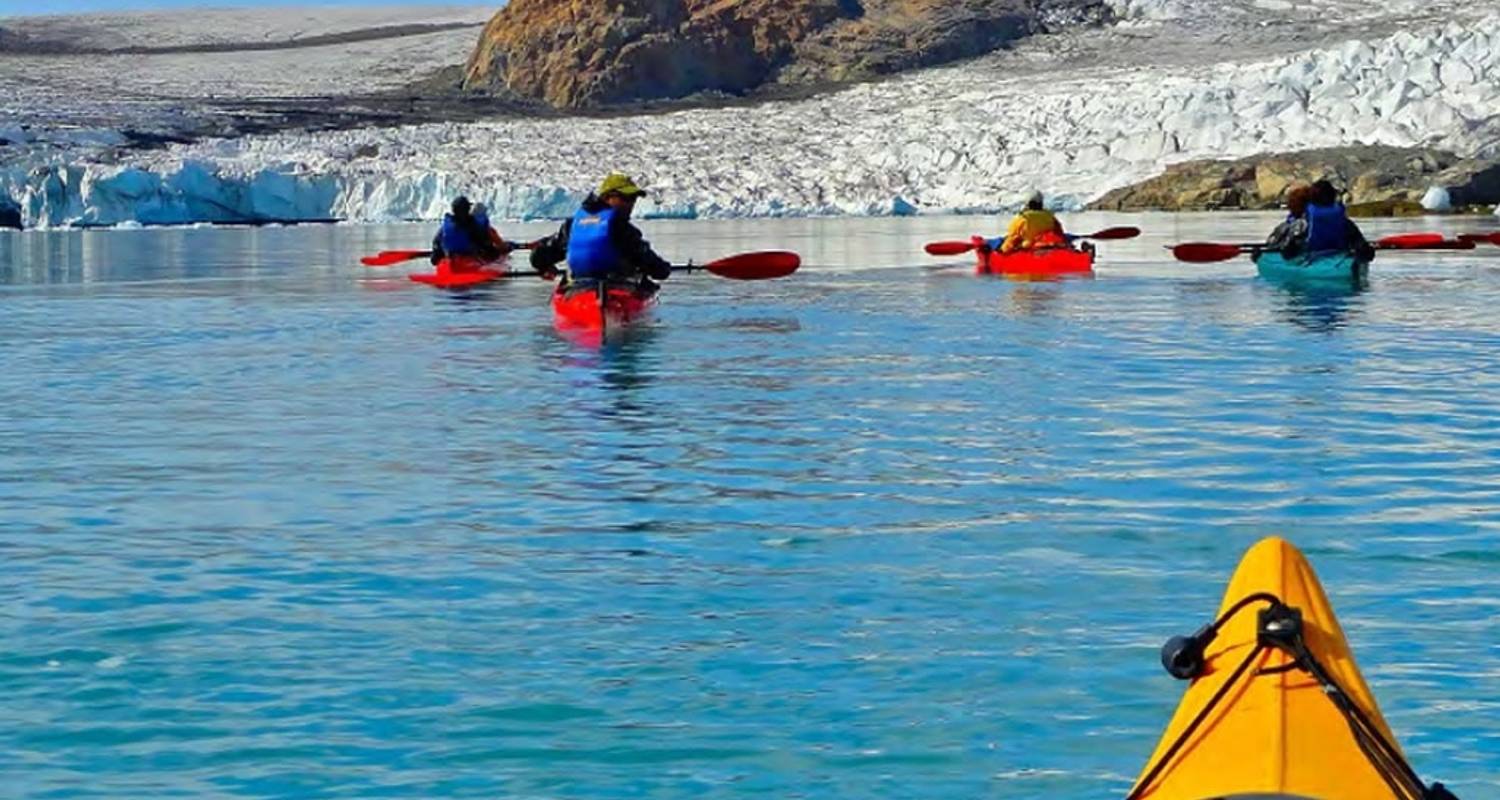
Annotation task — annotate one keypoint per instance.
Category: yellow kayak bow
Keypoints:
(1277, 706)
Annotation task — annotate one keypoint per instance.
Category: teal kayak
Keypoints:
(1311, 266)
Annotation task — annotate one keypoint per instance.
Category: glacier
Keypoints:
(973, 137)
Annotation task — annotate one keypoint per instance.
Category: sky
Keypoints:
(28, 7)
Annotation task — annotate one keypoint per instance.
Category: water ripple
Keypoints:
(293, 533)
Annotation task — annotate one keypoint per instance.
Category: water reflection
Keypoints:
(1320, 306)
(468, 299)
(761, 324)
(856, 484)
(137, 256)
(623, 364)
(1033, 298)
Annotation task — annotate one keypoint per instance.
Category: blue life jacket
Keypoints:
(1327, 228)
(591, 253)
(456, 241)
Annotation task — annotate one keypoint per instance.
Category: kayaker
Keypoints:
(482, 214)
(1034, 227)
(1325, 227)
(600, 243)
(464, 234)
(1292, 232)
(1329, 227)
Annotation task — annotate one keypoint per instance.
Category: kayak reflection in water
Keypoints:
(466, 236)
(1033, 228)
(1318, 223)
(600, 244)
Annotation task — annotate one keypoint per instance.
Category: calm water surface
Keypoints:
(276, 525)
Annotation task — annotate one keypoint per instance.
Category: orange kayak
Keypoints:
(1277, 706)
(459, 271)
(594, 307)
(1041, 261)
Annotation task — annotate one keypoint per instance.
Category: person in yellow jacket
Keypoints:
(1033, 228)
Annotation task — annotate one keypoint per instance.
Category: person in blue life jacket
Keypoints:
(466, 235)
(1326, 227)
(599, 243)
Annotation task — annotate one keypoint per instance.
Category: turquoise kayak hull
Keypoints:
(1315, 266)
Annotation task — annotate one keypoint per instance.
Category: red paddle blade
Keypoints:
(1122, 232)
(1402, 241)
(760, 266)
(948, 248)
(385, 258)
(1205, 252)
(1480, 238)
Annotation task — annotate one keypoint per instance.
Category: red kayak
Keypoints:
(1042, 261)
(460, 271)
(592, 307)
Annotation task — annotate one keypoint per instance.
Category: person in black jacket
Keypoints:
(599, 243)
(1289, 236)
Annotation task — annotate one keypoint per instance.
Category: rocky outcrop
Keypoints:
(1373, 176)
(583, 53)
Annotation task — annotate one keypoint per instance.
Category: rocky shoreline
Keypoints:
(1378, 181)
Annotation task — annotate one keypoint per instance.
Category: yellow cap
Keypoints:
(619, 183)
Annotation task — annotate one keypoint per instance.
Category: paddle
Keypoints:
(1108, 234)
(1413, 241)
(1480, 238)
(1208, 252)
(955, 248)
(757, 266)
(386, 258)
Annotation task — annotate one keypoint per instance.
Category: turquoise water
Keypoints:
(272, 525)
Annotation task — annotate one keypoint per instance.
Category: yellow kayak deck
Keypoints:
(1275, 730)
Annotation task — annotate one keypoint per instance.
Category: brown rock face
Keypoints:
(581, 53)
(886, 37)
(1369, 175)
(572, 53)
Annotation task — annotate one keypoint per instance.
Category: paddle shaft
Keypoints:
(1108, 234)
(387, 258)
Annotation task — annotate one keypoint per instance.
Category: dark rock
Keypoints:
(1471, 183)
(10, 216)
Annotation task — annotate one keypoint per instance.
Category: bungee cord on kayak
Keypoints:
(1219, 746)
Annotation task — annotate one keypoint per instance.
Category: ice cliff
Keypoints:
(969, 137)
